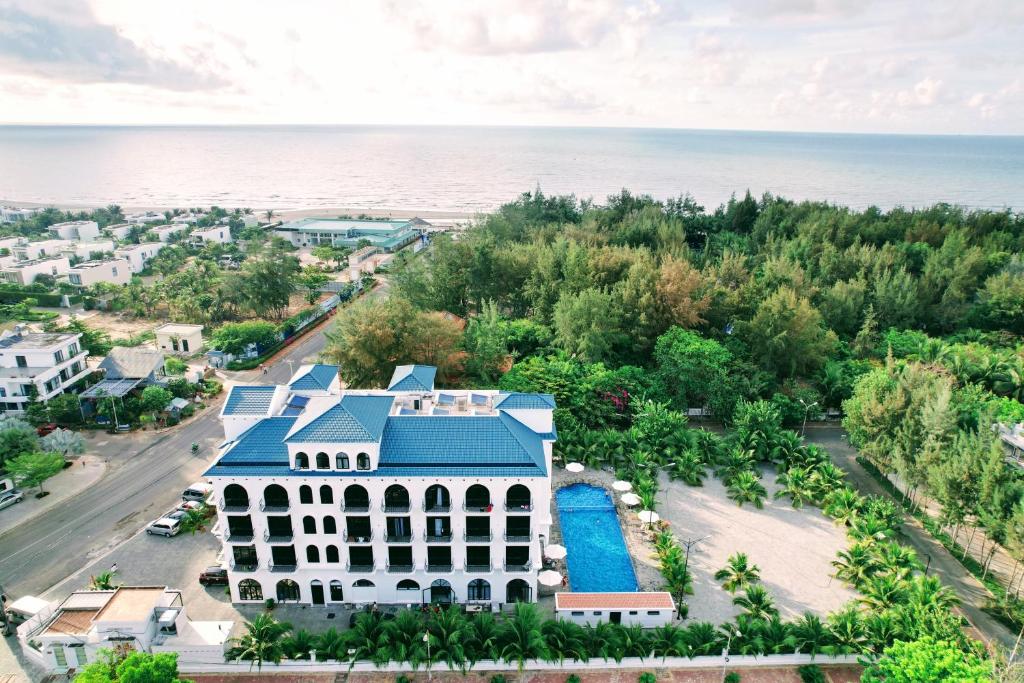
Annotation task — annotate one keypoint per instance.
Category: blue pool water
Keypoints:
(597, 555)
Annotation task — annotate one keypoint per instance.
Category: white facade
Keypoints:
(438, 504)
(144, 218)
(164, 232)
(648, 610)
(116, 271)
(219, 234)
(138, 255)
(25, 272)
(30, 251)
(179, 338)
(144, 618)
(46, 362)
(119, 231)
(85, 250)
(10, 214)
(82, 231)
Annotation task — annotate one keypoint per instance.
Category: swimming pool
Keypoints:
(597, 555)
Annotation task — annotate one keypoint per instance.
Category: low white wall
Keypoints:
(734, 662)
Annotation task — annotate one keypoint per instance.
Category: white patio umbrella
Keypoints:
(630, 499)
(648, 516)
(555, 551)
(549, 577)
(622, 486)
(574, 467)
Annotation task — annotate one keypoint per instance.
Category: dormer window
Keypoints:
(341, 461)
(301, 461)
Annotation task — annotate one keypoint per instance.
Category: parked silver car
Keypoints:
(164, 526)
(9, 498)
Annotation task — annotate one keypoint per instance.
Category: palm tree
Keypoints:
(369, 639)
(269, 213)
(298, 644)
(846, 629)
(757, 602)
(447, 631)
(601, 640)
(745, 488)
(669, 641)
(785, 449)
(825, 479)
(634, 642)
(795, 483)
(405, 638)
(778, 636)
(928, 591)
(482, 642)
(881, 630)
(104, 581)
(734, 462)
(521, 637)
(703, 638)
(738, 573)
(196, 518)
(855, 565)
(564, 639)
(689, 467)
(896, 560)
(843, 505)
(868, 529)
(261, 642)
(881, 592)
(809, 634)
(331, 645)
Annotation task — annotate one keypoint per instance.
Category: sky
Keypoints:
(877, 66)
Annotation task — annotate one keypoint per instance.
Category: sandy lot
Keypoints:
(793, 548)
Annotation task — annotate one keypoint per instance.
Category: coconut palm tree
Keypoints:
(104, 581)
(482, 641)
(634, 641)
(826, 478)
(565, 639)
(929, 591)
(881, 592)
(261, 641)
(738, 573)
(331, 645)
(369, 639)
(777, 636)
(896, 560)
(703, 638)
(734, 462)
(856, 564)
(881, 630)
(447, 631)
(298, 644)
(843, 505)
(669, 641)
(757, 602)
(809, 634)
(785, 449)
(521, 636)
(796, 483)
(868, 529)
(601, 640)
(846, 629)
(688, 466)
(269, 214)
(404, 636)
(745, 488)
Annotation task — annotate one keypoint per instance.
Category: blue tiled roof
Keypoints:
(318, 378)
(248, 400)
(413, 378)
(358, 419)
(243, 470)
(525, 401)
(452, 442)
(262, 445)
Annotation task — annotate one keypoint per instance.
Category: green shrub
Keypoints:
(731, 677)
(402, 678)
(646, 677)
(497, 678)
(189, 410)
(573, 678)
(269, 604)
(175, 366)
(811, 673)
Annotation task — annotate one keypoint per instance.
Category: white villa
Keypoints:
(406, 495)
(44, 362)
(82, 231)
(25, 272)
(218, 234)
(138, 255)
(116, 271)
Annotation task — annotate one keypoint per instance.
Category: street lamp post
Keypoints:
(688, 543)
(725, 652)
(426, 639)
(807, 409)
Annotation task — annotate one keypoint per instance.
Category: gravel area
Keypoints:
(794, 548)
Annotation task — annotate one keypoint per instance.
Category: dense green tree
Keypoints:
(236, 338)
(927, 661)
(33, 469)
(693, 368)
(788, 335)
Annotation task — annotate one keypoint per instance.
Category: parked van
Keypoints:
(197, 491)
(165, 526)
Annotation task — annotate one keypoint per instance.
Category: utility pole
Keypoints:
(688, 543)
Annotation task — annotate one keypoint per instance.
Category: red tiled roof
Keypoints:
(613, 601)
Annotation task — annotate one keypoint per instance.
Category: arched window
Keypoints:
(437, 499)
(478, 498)
(250, 589)
(308, 525)
(364, 583)
(341, 461)
(396, 499)
(312, 553)
(517, 499)
(287, 590)
(322, 461)
(326, 494)
(236, 496)
(332, 554)
(330, 526)
(337, 592)
(408, 585)
(479, 590)
(301, 461)
(356, 499)
(518, 591)
(274, 496)
(305, 494)
(441, 592)
(362, 461)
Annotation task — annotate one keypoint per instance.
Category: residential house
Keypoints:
(144, 218)
(407, 495)
(143, 618)
(30, 251)
(218, 234)
(119, 231)
(81, 231)
(387, 236)
(116, 271)
(88, 250)
(138, 255)
(11, 214)
(179, 338)
(164, 232)
(126, 368)
(25, 272)
(40, 363)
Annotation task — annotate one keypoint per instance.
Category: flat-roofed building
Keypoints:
(179, 338)
(82, 231)
(30, 251)
(218, 234)
(26, 272)
(116, 271)
(40, 363)
(648, 610)
(388, 236)
(119, 231)
(89, 250)
(165, 232)
(139, 255)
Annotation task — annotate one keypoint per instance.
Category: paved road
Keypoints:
(144, 481)
(972, 593)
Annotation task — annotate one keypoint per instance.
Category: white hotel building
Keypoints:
(402, 496)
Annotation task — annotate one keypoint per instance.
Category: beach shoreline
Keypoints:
(283, 214)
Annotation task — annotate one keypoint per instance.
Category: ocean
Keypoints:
(468, 169)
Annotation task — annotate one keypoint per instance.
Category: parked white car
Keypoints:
(165, 526)
(197, 491)
(9, 498)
